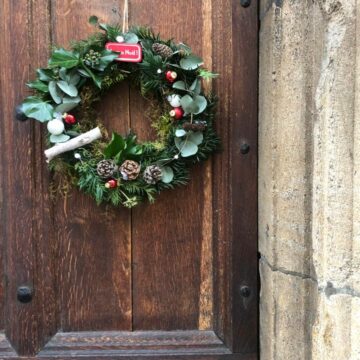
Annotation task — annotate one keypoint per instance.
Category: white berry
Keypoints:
(174, 100)
(159, 71)
(120, 39)
(77, 156)
(55, 127)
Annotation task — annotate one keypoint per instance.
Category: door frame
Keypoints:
(235, 334)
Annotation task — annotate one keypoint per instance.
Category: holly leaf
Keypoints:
(54, 92)
(37, 109)
(64, 58)
(55, 139)
(191, 62)
(116, 145)
(38, 85)
(67, 88)
(167, 174)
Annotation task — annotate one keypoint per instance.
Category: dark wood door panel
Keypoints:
(158, 281)
(168, 238)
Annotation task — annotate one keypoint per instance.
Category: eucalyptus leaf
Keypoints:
(67, 88)
(180, 85)
(72, 133)
(188, 149)
(167, 174)
(201, 102)
(180, 132)
(38, 85)
(55, 139)
(191, 62)
(54, 92)
(64, 58)
(37, 109)
(189, 105)
(196, 137)
(131, 38)
(196, 87)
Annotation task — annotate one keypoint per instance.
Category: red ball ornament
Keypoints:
(171, 76)
(70, 119)
(177, 113)
(111, 184)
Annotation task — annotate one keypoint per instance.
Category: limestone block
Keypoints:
(286, 312)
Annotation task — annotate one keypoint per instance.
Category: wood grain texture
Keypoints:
(178, 264)
(26, 204)
(235, 216)
(94, 258)
(168, 237)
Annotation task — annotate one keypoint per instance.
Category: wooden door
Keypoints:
(177, 279)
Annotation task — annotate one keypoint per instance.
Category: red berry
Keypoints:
(111, 184)
(177, 113)
(70, 119)
(171, 76)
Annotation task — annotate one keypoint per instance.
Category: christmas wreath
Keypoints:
(118, 169)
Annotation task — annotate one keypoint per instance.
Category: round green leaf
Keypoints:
(131, 38)
(167, 174)
(179, 85)
(196, 137)
(201, 103)
(189, 105)
(180, 132)
(55, 139)
(191, 62)
(188, 149)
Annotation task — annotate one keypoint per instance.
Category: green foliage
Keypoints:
(38, 109)
(121, 149)
(77, 78)
(64, 58)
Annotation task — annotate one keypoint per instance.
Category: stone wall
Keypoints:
(309, 179)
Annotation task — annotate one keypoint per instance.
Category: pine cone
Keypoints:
(106, 168)
(130, 170)
(163, 50)
(194, 126)
(152, 174)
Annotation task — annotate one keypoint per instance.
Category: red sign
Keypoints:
(127, 52)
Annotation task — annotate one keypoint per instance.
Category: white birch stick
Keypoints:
(81, 140)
